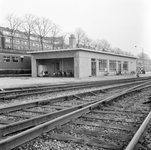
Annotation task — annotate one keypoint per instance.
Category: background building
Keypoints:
(21, 41)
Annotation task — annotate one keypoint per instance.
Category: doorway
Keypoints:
(93, 67)
(119, 67)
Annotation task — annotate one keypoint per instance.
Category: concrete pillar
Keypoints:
(34, 67)
(117, 69)
(76, 67)
(122, 66)
(97, 67)
(108, 65)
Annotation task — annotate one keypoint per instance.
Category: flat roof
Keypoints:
(81, 49)
(15, 52)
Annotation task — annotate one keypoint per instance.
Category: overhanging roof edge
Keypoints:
(82, 49)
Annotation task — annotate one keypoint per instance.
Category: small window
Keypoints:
(22, 59)
(6, 58)
(17, 42)
(36, 44)
(15, 59)
(25, 43)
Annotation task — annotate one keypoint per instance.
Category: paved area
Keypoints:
(9, 82)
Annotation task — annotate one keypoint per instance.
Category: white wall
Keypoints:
(80, 61)
(85, 63)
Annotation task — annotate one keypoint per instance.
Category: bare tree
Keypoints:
(54, 32)
(87, 42)
(28, 26)
(96, 44)
(128, 53)
(43, 27)
(143, 58)
(13, 24)
(118, 51)
(104, 45)
(80, 34)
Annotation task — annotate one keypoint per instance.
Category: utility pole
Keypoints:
(142, 57)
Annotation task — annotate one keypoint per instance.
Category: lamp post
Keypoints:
(142, 57)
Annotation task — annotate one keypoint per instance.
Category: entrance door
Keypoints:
(93, 68)
(119, 67)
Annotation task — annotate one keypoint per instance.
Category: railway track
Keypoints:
(10, 93)
(21, 116)
(23, 136)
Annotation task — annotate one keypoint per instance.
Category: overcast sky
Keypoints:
(123, 23)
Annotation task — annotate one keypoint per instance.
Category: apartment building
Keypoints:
(21, 41)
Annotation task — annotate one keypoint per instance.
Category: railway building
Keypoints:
(80, 62)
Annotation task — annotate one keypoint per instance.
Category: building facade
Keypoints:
(21, 41)
(81, 63)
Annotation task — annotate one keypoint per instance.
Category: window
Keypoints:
(15, 59)
(7, 40)
(6, 32)
(17, 42)
(36, 44)
(31, 44)
(6, 58)
(21, 47)
(112, 65)
(8, 46)
(56, 42)
(102, 64)
(24, 36)
(25, 43)
(33, 38)
(125, 65)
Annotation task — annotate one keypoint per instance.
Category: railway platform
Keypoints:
(10, 82)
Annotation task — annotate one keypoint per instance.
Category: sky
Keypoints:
(123, 23)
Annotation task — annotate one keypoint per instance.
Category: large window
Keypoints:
(6, 32)
(15, 59)
(112, 65)
(125, 65)
(6, 58)
(102, 64)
